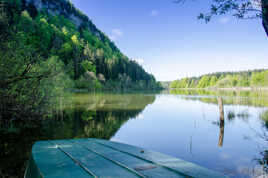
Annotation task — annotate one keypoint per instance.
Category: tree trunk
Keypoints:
(221, 135)
(220, 102)
(265, 15)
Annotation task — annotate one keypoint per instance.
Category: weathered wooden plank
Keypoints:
(98, 165)
(101, 158)
(173, 164)
(49, 161)
(145, 168)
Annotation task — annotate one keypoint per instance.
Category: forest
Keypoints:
(48, 47)
(250, 78)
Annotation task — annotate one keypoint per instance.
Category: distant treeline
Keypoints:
(251, 78)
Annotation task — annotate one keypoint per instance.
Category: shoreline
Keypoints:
(226, 89)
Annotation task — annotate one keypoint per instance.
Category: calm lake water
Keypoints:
(184, 124)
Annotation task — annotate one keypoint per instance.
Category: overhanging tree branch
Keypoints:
(242, 9)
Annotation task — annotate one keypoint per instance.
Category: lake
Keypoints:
(184, 124)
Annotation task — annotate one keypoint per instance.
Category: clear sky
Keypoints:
(169, 41)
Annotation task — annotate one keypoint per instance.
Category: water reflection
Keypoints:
(239, 98)
(96, 115)
(221, 136)
(236, 97)
(264, 117)
(76, 116)
(227, 133)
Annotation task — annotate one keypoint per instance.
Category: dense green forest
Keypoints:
(251, 78)
(48, 47)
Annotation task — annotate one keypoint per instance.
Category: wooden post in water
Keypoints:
(220, 102)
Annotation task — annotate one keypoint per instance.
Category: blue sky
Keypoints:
(169, 41)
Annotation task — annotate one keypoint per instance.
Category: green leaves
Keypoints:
(243, 9)
(47, 38)
(88, 66)
(258, 78)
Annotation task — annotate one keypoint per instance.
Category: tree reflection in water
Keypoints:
(77, 116)
(243, 98)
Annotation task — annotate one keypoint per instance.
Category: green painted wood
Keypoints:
(101, 158)
(49, 161)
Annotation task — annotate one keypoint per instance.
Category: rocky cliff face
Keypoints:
(66, 9)
(58, 7)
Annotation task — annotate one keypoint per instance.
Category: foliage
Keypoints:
(256, 78)
(27, 84)
(72, 37)
(43, 53)
(241, 9)
(88, 66)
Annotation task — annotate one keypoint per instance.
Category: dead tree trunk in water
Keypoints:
(220, 102)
